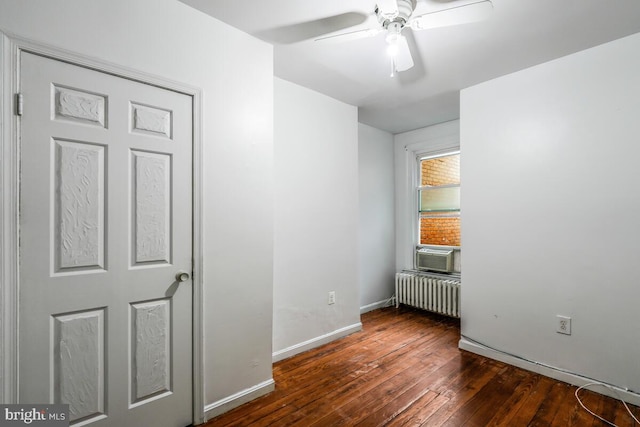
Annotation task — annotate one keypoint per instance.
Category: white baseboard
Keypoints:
(548, 371)
(228, 403)
(376, 305)
(315, 342)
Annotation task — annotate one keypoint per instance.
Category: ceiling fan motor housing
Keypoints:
(405, 9)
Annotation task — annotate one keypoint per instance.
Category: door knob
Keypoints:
(182, 276)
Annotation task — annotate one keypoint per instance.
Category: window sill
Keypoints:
(453, 275)
(454, 248)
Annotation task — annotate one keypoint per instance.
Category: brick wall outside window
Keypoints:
(441, 230)
(441, 170)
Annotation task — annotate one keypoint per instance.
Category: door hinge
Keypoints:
(19, 104)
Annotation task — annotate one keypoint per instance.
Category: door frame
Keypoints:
(11, 48)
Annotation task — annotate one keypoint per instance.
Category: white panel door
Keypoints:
(105, 226)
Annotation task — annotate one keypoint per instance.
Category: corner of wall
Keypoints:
(315, 342)
(221, 406)
(376, 192)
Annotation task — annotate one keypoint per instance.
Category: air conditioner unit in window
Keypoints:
(434, 260)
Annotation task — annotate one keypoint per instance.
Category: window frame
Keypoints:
(416, 175)
(439, 138)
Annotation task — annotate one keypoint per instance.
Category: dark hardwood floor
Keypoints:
(405, 369)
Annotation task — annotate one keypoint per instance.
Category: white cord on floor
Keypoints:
(391, 301)
(598, 416)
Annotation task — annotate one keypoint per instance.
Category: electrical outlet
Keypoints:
(332, 297)
(564, 325)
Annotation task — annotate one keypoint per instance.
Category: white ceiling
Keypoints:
(517, 35)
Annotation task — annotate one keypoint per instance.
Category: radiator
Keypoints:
(429, 293)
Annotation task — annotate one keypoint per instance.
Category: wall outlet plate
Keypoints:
(563, 325)
(332, 298)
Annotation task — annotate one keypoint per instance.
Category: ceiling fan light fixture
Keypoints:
(392, 50)
(393, 46)
(393, 38)
(395, 41)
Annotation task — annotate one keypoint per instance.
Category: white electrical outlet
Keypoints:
(332, 298)
(564, 325)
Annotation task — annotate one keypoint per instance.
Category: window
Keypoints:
(439, 200)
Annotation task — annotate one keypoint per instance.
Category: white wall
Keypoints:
(377, 226)
(316, 219)
(551, 205)
(440, 138)
(171, 40)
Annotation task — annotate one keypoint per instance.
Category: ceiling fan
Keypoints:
(393, 16)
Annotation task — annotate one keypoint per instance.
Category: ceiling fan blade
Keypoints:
(308, 30)
(388, 8)
(403, 59)
(350, 35)
(470, 12)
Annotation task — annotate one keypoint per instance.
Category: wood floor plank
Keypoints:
(462, 389)
(479, 410)
(505, 413)
(307, 375)
(612, 411)
(314, 410)
(418, 413)
(358, 407)
(301, 398)
(377, 329)
(550, 406)
(532, 402)
(396, 384)
(405, 369)
(383, 415)
(622, 417)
